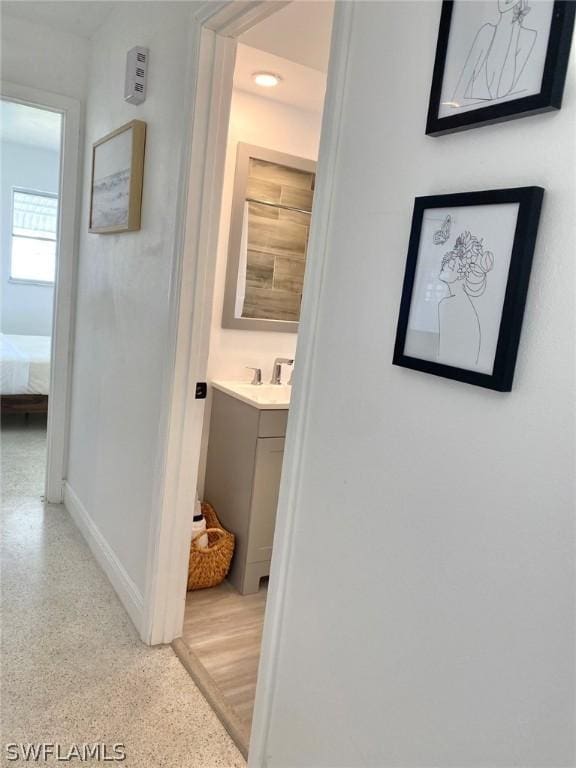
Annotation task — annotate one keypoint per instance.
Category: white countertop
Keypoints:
(266, 397)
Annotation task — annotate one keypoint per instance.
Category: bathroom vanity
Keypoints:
(244, 465)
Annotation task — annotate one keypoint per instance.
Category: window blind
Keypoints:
(34, 215)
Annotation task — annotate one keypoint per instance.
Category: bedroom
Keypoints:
(30, 148)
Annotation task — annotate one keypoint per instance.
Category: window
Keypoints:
(34, 227)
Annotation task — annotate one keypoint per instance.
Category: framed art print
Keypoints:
(117, 177)
(497, 60)
(465, 284)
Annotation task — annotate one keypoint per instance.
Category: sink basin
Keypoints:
(263, 396)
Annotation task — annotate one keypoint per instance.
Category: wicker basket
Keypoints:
(208, 566)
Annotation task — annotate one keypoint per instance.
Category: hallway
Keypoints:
(73, 670)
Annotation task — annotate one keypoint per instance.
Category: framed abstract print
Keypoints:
(497, 60)
(117, 177)
(465, 285)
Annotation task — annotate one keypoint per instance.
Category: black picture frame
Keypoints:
(553, 79)
(530, 203)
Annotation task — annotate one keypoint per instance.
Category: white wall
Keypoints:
(430, 599)
(122, 351)
(42, 57)
(26, 309)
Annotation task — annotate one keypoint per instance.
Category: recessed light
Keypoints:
(266, 79)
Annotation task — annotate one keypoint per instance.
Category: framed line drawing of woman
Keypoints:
(465, 284)
(497, 60)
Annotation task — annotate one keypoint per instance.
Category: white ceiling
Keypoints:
(298, 32)
(294, 42)
(78, 17)
(300, 87)
(29, 125)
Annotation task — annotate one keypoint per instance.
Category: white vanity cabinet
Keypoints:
(244, 465)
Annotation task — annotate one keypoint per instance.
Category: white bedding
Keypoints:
(24, 365)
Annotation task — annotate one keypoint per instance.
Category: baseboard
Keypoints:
(127, 591)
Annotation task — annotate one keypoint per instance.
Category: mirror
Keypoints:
(269, 228)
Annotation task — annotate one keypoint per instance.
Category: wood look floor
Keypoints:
(224, 629)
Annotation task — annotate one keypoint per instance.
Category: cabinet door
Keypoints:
(267, 472)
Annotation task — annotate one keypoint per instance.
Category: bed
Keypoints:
(24, 373)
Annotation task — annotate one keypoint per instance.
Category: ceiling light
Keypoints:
(266, 79)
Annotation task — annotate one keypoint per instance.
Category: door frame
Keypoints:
(212, 46)
(65, 280)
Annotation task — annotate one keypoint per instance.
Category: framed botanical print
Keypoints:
(465, 284)
(117, 177)
(497, 60)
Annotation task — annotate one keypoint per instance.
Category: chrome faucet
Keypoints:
(277, 369)
(257, 377)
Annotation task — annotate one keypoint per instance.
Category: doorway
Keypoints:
(271, 143)
(30, 145)
(212, 70)
(40, 145)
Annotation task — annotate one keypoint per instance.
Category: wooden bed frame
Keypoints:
(24, 404)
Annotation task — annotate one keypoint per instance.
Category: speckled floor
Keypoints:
(72, 669)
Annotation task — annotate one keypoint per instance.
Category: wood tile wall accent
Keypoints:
(279, 201)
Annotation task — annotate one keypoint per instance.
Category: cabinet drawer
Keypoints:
(272, 423)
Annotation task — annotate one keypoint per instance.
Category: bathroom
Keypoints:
(258, 278)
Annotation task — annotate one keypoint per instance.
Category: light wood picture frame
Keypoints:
(116, 180)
